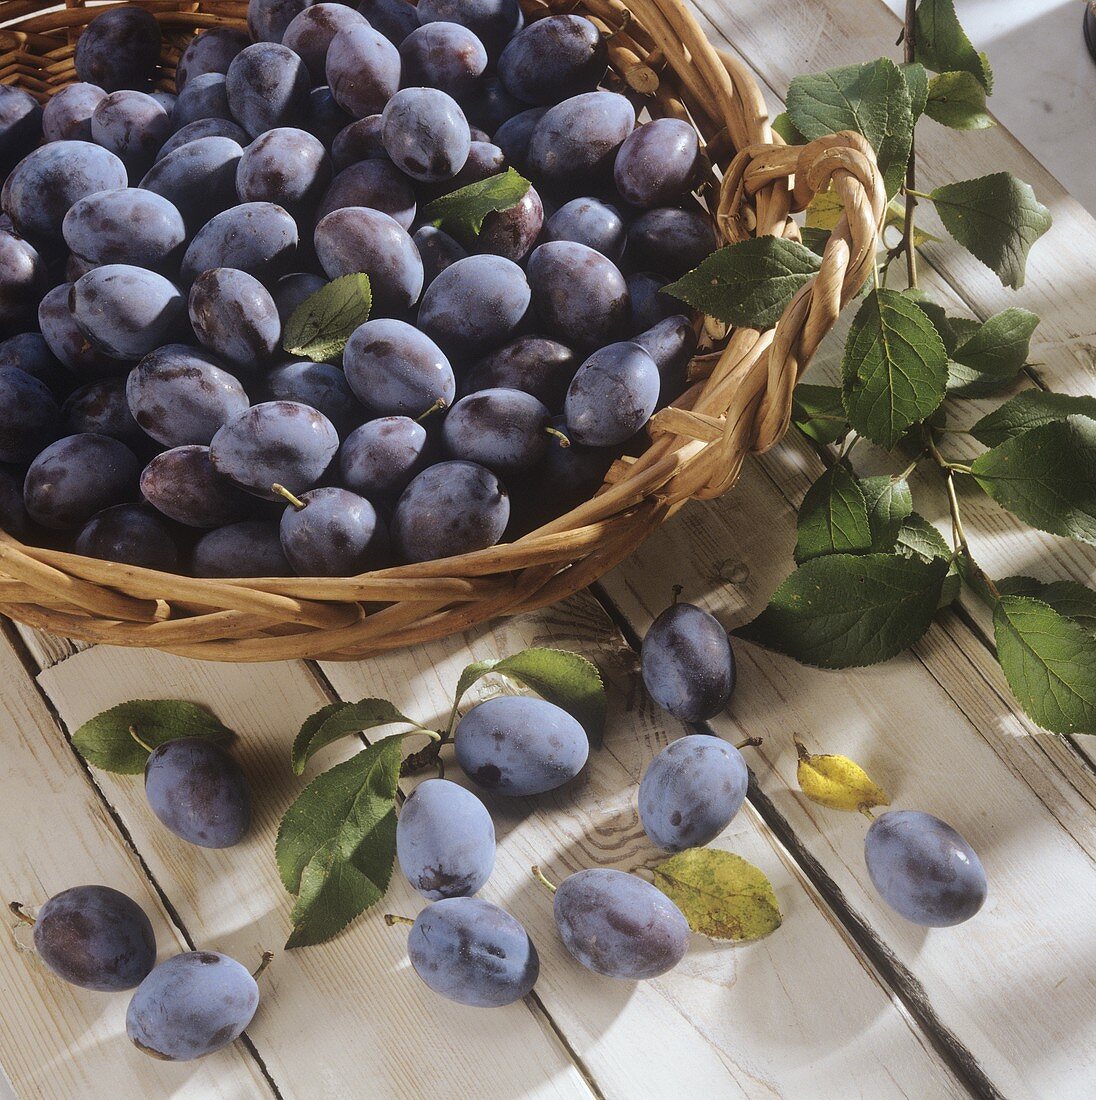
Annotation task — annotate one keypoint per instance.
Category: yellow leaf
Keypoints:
(837, 782)
(825, 209)
(721, 895)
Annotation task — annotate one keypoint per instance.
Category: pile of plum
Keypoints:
(154, 246)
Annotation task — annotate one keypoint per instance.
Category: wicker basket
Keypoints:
(739, 399)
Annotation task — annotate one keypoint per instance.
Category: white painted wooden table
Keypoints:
(845, 999)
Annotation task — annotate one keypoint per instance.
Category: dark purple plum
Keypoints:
(234, 317)
(133, 126)
(489, 105)
(612, 395)
(30, 352)
(182, 484)
(363, 70)
(120, 48)
(649, 304)
(257, 237)
(379, 459)
(484, 160)
(127, 311)
(669, 240)
(290, 291)
(336, 534)
(657, 164)
(511, 233)
(198, 178)
(204, 97)
(591, 222)
(579, 294)
(375, 183)
(437, 250)
(67, 115)
(533, 364)
(13, 512)
(311, 30)
(101, 407)
(131, 534)
(554, 59)
(201, 128)
(505, 430)
(443, 55)
(68, 343)
(361, 140)
(513, 136)
(29, 417)
(326, 119)
(267, 20)
(20, 126)
(397, 370)
(425, 134)
(671, 343)
(127, 226)
(22, 280)
(211, 51)
(323, 386)
(286, 166)
(395, 19)
(250, 548)
(492, 21)
(267, 87)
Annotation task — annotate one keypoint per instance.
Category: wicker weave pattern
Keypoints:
(739, 400)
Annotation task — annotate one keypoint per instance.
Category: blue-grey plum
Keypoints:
(285, 166)
(198, 177)
(649, 304)
(20, 126)
(489, 105)
(67, 115)
(688, 664)
(591, 222)
(671, 343)
(120, 48)
(617, 925)
(95, 937)
(22, 280)
(127, 226)
(356, 238)
(323, 386)
(44, 184)
(363, 70)
(437, 251)
(395, 19)
(13, 512)
(505, 430)
(473, 952)
(127, 311)
(450, 508)
(133, 126)
(519, 745)
(182, 484)
(267, 86)
(211, 51)
(132, 534)
(336, 534)
(293, 290)
(554, 59)
(670, 240)
(492, 21)
(657, 164)
(513, 136)
(375, 183)
(534, 364)
(311, 30)
(326, 119)
(67, 342)
(235, 317)
(181, 395)
(484, 160)
(379, 458)
(425, 134)
(361, 140)
(78, 476)
(199, 792)
(191, 1005)
(205, 96)
(30, 352)
(574, 145)
(923, 869)
(101, 407)
(511, 233)
(396, 369)
(579, 294)
(267, 20)
(275, 442)
(691, 790)
(257, 237)
(201, 128)
(29, 416)
(445, 840)
(250, 548)
(612, 395)
(475, 305)
(443, 55)
(164, 98)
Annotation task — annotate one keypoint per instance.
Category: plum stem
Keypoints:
(539, 876)
(264, 962)
(137, 737)
(282, 491)
(436, 407)
(560, 437)
(749, 743)
(394, 918)
(677, 590)
(17, 908)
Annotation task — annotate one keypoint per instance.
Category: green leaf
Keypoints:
(958, 100)
(1027, 410)
(748, 283)
(895, 368)
(782, 125)
(1050, 663)
(1069, 598)
(1046, 476)
(337, 841)
(814, 239)
(567, 679)
(941, 44)
(465, 208)
(997, 218)
(818, 413)
(833, 518)
(106, 743)
(848, 610)
(338, 720)
(317, 330)
(917, 81)
(721, 895)
(873, 99)
(987, 357)
(919, 538)
(889, 503)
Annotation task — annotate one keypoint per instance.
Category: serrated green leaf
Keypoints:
(1069, 598)
(317, 330)
(996, 218)
(919, 538)
(958, 100)
(1027, 410)
(987, 357)
(814, 239)
(567, 679)
(1050, 663)
(782, 125)
(917, 81)
(833, 518)
(895, 368)
(889, 504)
(106, 743)
(873, 99)
(338, 720)
(748, 283)
(818, 413)
(1046, 476)
(941, 44)
(465, 209)
(721, 895)
(848, 610)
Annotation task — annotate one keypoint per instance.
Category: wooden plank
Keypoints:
(57, 1041)
(969, 767)
(737, 1021)
(339, 1019)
